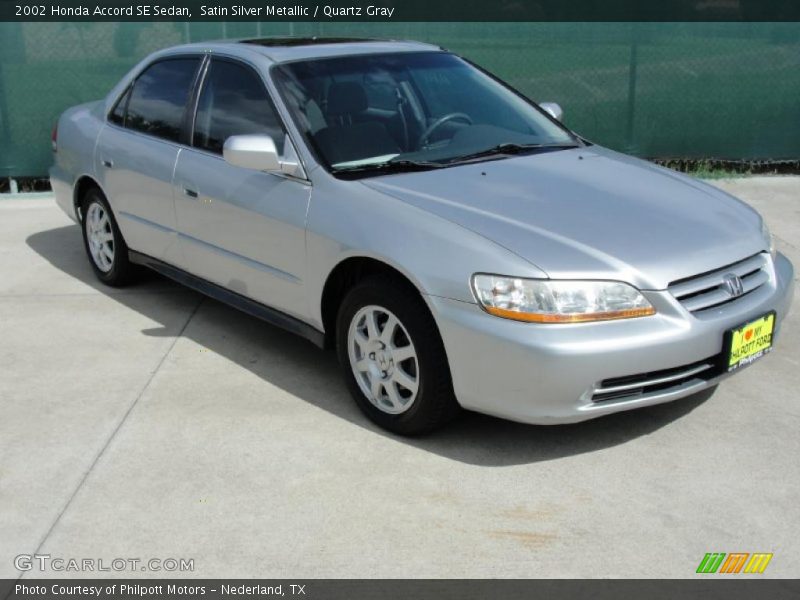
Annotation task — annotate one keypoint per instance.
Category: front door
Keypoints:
(240, 228)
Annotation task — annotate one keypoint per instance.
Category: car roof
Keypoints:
(285, 49)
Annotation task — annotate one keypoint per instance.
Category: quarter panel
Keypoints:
(78, 130)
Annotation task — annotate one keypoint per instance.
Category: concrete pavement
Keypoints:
(150, 422)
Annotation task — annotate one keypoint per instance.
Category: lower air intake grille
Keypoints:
(633, 386)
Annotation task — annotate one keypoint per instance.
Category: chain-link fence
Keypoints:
(658, 90)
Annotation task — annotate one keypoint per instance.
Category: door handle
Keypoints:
(190, 193)
(108, 164)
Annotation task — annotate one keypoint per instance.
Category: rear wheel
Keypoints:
(393, 357)
(105, 247)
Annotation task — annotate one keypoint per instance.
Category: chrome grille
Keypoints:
(710, 289)
(636, 386)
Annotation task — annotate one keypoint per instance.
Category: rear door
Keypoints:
(137, 152)
(240, 228)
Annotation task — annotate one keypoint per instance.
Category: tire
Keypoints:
(402, 351)
(105, 247)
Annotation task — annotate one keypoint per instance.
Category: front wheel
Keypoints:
(393, 358)
(105, 247)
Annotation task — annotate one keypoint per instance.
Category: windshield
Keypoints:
(409, 110)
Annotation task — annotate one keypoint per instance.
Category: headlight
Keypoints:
(554, 301)
(768, 237)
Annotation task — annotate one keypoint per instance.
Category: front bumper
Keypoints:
(548, 374)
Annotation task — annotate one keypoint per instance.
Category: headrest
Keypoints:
(346, 98)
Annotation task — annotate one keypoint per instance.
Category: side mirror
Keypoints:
(553, 109)
(257, 152)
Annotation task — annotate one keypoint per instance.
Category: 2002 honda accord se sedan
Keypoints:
(452, 239)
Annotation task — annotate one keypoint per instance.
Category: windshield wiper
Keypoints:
(507, 149)
(390, 166)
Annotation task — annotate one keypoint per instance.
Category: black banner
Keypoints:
(705, 588)
(401, 10)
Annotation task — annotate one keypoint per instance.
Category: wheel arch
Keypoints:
(344, 276)
(82, 185)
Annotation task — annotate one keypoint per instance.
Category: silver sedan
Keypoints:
(455, 243)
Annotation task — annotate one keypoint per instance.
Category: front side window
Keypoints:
(421, 109)
(159, 96)
(233, 102)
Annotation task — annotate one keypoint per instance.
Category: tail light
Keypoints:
(54, 138)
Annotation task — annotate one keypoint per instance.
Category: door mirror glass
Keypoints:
(553, 109)
(257, 152)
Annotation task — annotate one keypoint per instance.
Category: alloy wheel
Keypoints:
(383, 359)
(100, 236)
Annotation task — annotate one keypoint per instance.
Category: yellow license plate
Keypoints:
(751, 341)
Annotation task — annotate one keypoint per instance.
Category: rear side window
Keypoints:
(159, 96)
(233, 102)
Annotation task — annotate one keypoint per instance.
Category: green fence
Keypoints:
(658, 90)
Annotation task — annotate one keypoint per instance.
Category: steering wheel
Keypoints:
(423, 139)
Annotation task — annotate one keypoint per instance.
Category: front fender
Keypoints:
(347, 219)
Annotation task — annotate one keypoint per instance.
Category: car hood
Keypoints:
(589, 213)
